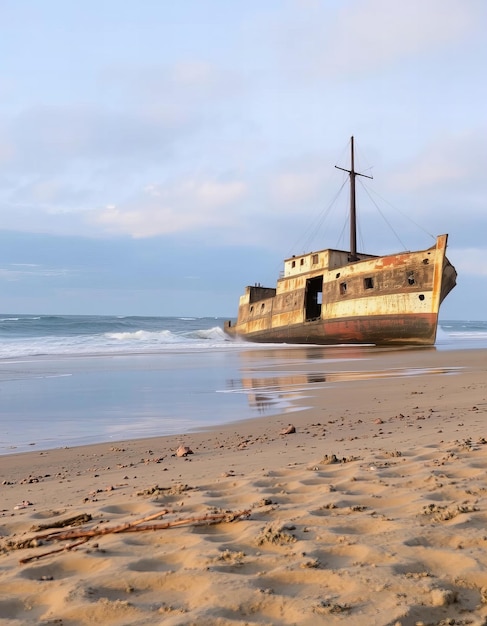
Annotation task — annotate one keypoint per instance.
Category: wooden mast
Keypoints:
(353, 207)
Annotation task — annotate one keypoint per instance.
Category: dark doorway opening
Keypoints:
(313, 298)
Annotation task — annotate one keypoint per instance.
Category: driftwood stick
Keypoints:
(133, 527)
(140, 521)
(205, 520)
(76, 520)
(28, 559)
(95, 532)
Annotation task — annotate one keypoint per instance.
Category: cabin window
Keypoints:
(315, 259)
(301, 262)
(262, 306)
(343, 288)
(293, 264)
(411, 280)
(368, 283)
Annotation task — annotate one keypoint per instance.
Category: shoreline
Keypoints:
(114, 399)
(377, 450)
(295, 385)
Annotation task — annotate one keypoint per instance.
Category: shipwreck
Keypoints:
(344, 296)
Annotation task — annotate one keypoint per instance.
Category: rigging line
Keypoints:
(402, 213)
(323, 216)
(315, 227)
(383, 216)
(361, 238)
(341, 237)
(360, 159)
(345, 154)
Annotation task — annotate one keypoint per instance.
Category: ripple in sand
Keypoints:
(326, 510)
(156, 540)
(113, 594)
(370, 527)
(13, 609)
(72, 566)
(151, 565)
(346, 556)
(47, 514)
(437, 562)
(320, 481)
(479, 465)
(238, 499)
(264, 483)
(243, 569)
(275, 489)
(268, 606)
(128, 508)
(213, 533)
(293, 583)
(226, 486)
(417, 541)
(103, 611)
(439, 496)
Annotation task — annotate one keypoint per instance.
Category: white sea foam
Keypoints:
(164, 336)
(30, 335)
(117, 342)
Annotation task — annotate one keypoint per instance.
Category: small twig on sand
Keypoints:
(95, 532)
(205, 520)
(28, 559)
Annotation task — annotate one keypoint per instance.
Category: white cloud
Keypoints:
(175, 92)
(447, 163)
(293, 188)
(18, 271)
(469, 260)
(7, 149)
(184, 206)
(366, 35)
(379, 31)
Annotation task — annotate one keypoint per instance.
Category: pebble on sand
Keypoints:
(184, 451)
(289, 430)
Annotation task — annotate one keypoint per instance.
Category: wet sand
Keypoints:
(372, 512)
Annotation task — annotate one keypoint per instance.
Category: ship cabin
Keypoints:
(299, 291)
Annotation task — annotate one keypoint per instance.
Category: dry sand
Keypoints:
(373, 512)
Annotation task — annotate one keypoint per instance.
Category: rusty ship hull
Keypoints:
(324, 298)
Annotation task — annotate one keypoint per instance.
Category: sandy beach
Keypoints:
(371, 509)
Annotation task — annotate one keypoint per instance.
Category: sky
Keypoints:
(157, 156)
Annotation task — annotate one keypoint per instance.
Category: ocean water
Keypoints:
(71, 380)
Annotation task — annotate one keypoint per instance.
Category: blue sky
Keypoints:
(158, 156)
